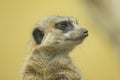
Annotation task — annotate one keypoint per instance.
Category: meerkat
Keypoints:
(52, 39)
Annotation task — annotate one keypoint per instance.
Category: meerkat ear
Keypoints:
(37, 35)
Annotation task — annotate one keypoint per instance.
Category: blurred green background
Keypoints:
(98, 56)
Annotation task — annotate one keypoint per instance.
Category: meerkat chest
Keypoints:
(61, 69)
(46, 68)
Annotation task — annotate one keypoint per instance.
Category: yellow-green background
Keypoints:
(95, 57)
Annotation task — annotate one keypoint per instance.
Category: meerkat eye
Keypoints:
(64, 26)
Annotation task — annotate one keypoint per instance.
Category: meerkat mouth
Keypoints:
(78, 39)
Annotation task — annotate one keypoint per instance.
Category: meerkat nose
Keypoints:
(85, 31)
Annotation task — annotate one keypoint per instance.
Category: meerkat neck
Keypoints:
(49, 53)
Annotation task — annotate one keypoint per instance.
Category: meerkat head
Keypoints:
(60, 32)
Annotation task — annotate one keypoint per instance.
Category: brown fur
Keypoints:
(50, 60)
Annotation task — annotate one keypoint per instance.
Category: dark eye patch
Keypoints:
(37, 35)
(64, 26)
